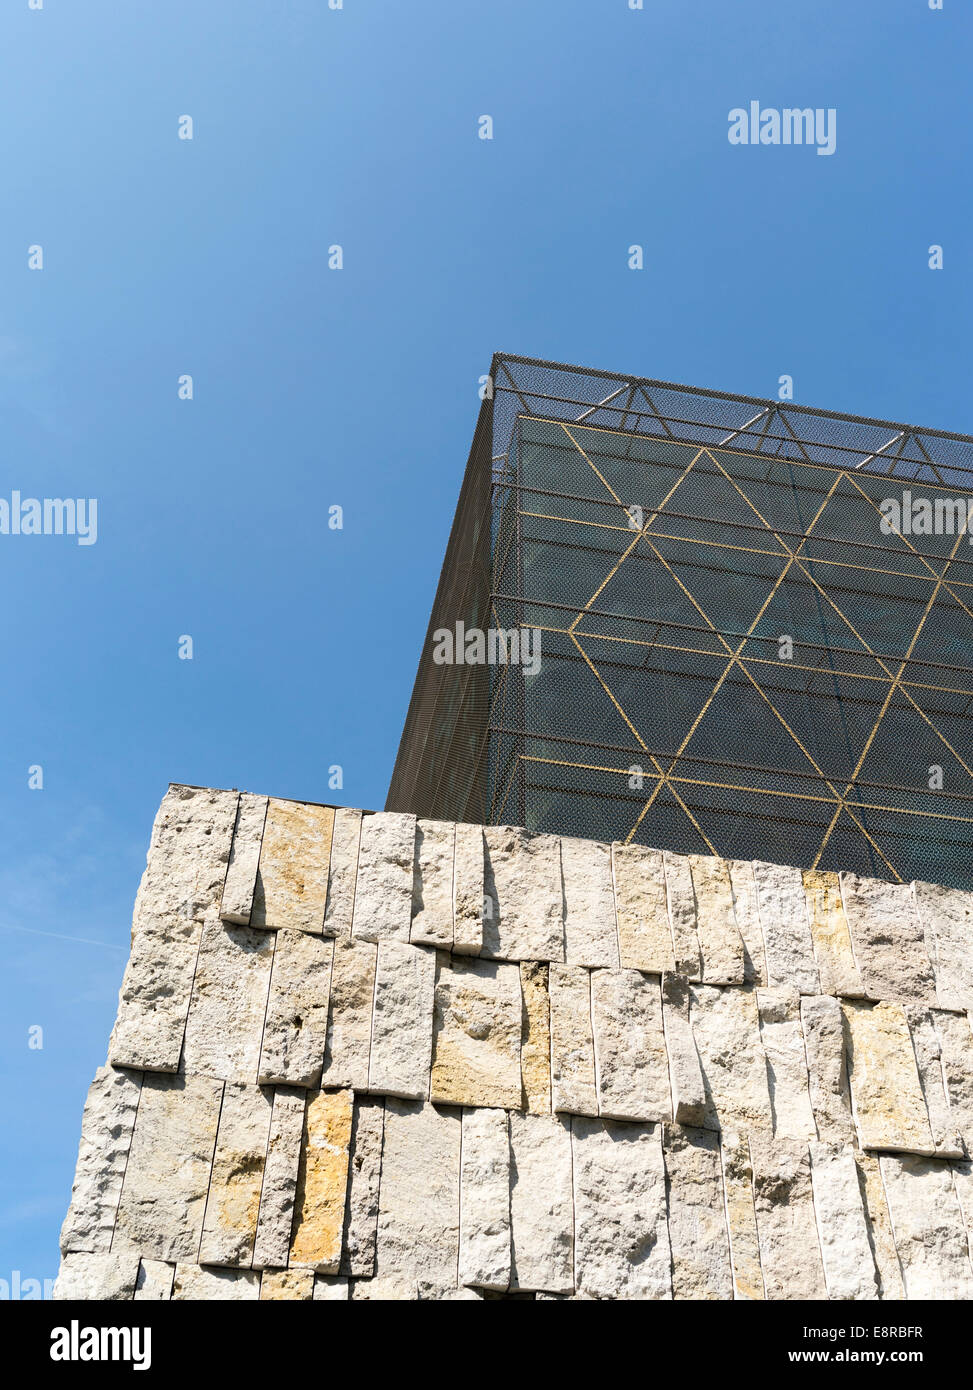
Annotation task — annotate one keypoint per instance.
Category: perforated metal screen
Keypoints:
(735, 657)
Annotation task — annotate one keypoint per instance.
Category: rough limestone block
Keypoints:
(644, 939)
(748, 921)
(824, 1048)
(364, 1169)
(469, 893)
(154, 1282)
(484, 1228)
(349, 1038)
(226, 1016)
(946, 915)
(160, 1215)
(681, 907)
(888, 941)
(330, 1289)
(621, 1235)
(726, 1027)
(106, 1137)
(241, 873)
(418, 1218)
(535, 1038)
(963, 1183)
(720, 943)
(889, 1107)
(927, 1221)
(477, 1025)
(401, 1055)
(343, 872)
(291, 888)
(287, 1285)
(281, 1168)
(541, 1204)
(296, 1026)
(383, 891)
(432, 884)
(590, 932)
(833, 950)
(928, 1051)
(631, 1063)
(697, 1216)
(230, 1224)
(522, 881)
(741, 1218)
(96, 1277)
(785, 929)
(879, 1224)
(689, 1103)
(196, 1284)
(572, 1044)
(956, 1045)
(849, 1268)
(783, 1040)
(181, 887)
(322, 1183)
(790, 1255)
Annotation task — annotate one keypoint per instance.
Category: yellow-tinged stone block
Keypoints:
(292, 876)
(890, 1110)
(833, 950)
(287, 1285)
(535, 1037)
(322, 1182)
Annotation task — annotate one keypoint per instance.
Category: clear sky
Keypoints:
(357, 387)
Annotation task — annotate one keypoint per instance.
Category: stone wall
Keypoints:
(358, 1056)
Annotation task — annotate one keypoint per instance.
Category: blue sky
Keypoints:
(358, 387)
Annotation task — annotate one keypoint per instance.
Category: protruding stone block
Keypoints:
(726, 1027)
(888, 941)
(343, 872)
(930, 1234)
(419, 1202)
(590, 932)
(541, 1204)
(522, 882)
(946, 915)
(383, 893)
(469, 893)
(697, 1218)
(849, 1268)
(106, 1137)
(786, 931)
(748, 921)
(484, 1234)
(292, 877)
(195, 1284)
(889, 1107)
(296, 1026)
(226, 1017)
(276, 1216)
(783, 1043)
(535, 1037)
(322, 1183)
(720, 943)
(632, 1067)
(432, 884)
(365, 1166)
(476, 1049)
(824, 1048)
(790, 1256)
(689, 1102)
(349, 1037)
(572, 1044)
(401, 1054)
(230, 1225)
(833, 950)
(241, 874)
(644, 939)
(681, 906)
(96, 1278)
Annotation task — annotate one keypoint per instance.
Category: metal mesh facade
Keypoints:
(735, 657)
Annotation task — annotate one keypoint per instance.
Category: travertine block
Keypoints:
(280, 1180)
(790, 1256)
(946, 915)
(226, 1016)
(522, 881)
(535, 1037)
(956, 1056)
(322, 1183)
(160, 1215)
(872, 1189)
(783, 1043)
(927, 1221)
(331, 1290)
(741, 1219)
(287, 1285)
(621, 1235)
(469, 893)
(785, 929)
(888, 941)
(890, 1111)
(681, 907)
(477, 1027)
(541, 1203)
(196, 1284)
(432, 884)
(343, 872)
(644, 939)
(296, 1026)
(928, 1051)
(401, 1054)
(349, 1037)
(631, 1064)
(849, 1268)
(383, 892)
(106, 1137)
(748, 921)
(572, 1044)
(689, 1103)
(364, 1169)
(697, 1218)
(96, 1277)
(154, 1282)
(726, 1027)
(720, 943)
(418, 1218)
(292, 877)
(833, 950)
(590, 932)
(824, 1048)
(230, 1225)
(484, 1232)
(241, 873)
